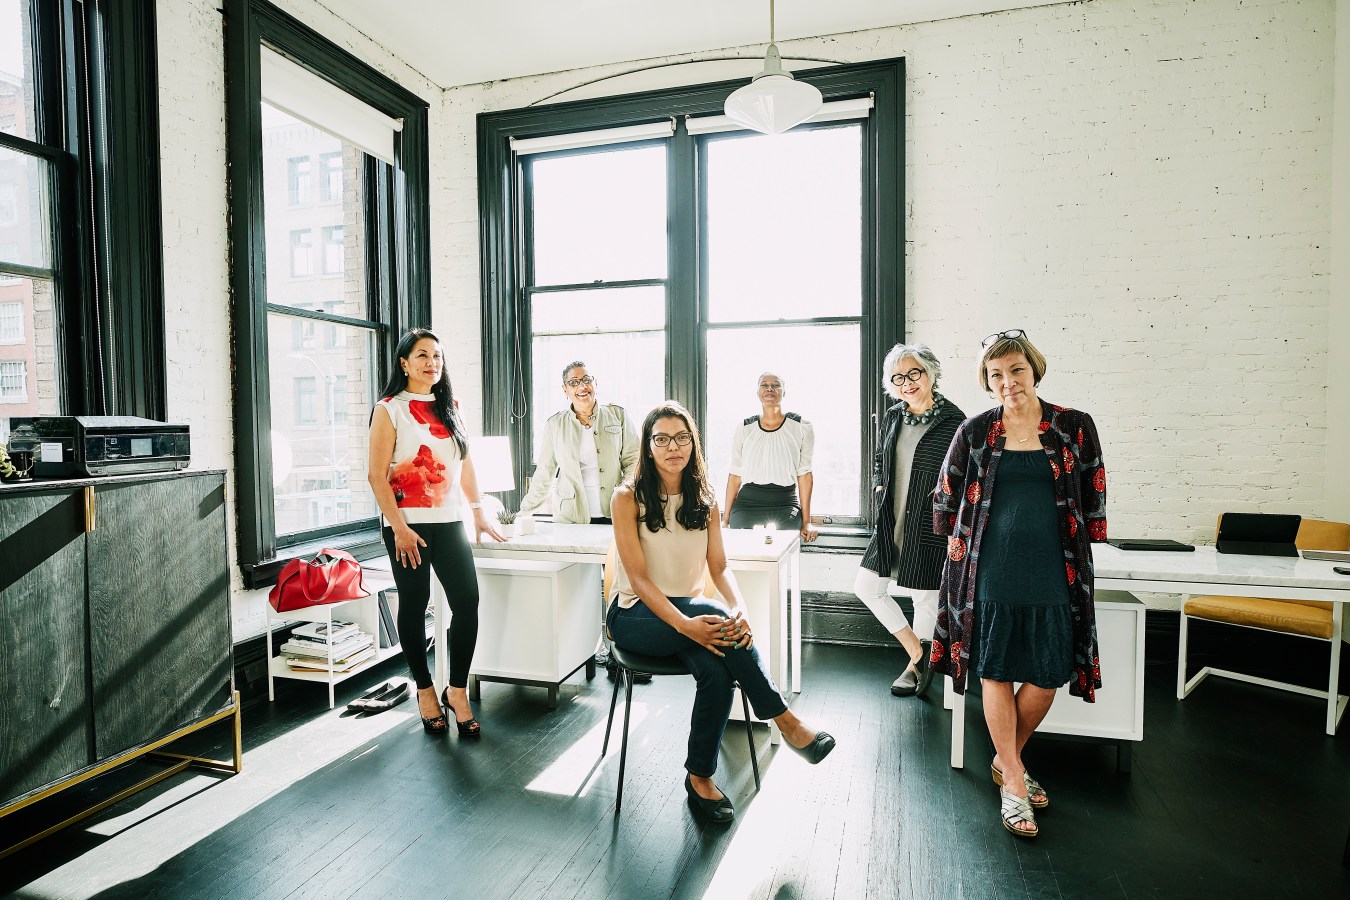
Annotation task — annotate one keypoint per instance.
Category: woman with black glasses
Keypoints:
(1022, 496)
(667, 533)
(587, 450)
(911, 443)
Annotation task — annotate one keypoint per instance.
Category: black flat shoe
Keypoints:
(925, 671)
(612, 672)
(815, 751)
(468, 728)
(359, 704)
(719, 812)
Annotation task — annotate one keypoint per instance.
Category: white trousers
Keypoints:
(871, 589)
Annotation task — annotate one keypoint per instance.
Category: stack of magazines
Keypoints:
(310, 643)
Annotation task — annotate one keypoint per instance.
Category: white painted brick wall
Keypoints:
(1144, 185)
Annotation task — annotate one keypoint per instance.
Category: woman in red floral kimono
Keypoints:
(1021, 497)
(419, 466)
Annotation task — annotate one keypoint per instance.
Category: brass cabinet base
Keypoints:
(177, 763)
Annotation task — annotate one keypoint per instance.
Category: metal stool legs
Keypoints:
(627, 716)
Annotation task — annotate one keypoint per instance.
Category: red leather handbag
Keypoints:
(330, 577)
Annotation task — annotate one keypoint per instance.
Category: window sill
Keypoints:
(364, 544)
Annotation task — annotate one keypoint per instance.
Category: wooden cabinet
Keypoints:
(114, 619)
(45, 726)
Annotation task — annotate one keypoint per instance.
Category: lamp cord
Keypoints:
(770, 21)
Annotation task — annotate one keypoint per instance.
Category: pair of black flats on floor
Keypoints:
(386, 696)
(721, 812)
(914, 682)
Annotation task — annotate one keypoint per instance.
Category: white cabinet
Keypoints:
(538, 622)
(1118, 713)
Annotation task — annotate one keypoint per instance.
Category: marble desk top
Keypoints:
(742, 545)
(1207, 566)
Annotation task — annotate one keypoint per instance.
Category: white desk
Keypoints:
(768, 575)
(1203, 571)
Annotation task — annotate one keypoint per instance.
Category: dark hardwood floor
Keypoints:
(1235, 792)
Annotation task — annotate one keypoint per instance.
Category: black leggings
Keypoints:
(447, 551)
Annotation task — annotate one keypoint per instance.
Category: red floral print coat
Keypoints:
(961, 504)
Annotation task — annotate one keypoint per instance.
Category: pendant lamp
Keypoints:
(773, 101)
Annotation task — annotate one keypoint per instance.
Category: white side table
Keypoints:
(364, 612)
(537, 623)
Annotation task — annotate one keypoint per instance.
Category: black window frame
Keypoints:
(398, 257)
(96, 92)
(504, 245)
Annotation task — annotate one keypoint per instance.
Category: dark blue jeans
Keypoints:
(638, 629)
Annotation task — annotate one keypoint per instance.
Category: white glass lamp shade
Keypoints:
(492, 463)
(773, 101)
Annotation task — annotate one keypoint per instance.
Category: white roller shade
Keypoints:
(299, 92)
(597, 138)
(834, 111)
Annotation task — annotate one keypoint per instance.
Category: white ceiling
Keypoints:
(454, 42)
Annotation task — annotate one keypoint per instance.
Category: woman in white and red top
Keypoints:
(419, 461)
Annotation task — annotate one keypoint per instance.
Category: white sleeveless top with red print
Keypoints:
(424, 471)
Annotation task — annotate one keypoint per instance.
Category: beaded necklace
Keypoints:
(910, 419)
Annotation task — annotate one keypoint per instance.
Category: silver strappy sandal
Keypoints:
(1015, 811)
(1034, 788)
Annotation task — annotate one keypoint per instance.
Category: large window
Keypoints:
(685, 266)
(599, 291)
(81, 295)
(311, 353)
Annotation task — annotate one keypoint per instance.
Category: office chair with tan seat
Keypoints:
(630, 663)
(1315, 619)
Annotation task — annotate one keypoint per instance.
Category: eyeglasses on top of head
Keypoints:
(683, 439)
(1012, 334)
(914, 374)
(578, 382)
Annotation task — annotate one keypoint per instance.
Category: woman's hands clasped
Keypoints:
(716, 632)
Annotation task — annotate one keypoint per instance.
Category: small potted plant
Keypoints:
(7, 470)
(506, 523)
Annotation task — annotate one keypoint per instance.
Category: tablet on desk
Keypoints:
(1258, 534)
(1148, 544)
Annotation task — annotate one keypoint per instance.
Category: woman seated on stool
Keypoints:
(666, 530)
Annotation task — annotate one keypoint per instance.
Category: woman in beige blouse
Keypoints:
(667, 532)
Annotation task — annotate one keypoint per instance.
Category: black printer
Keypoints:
(74, 446)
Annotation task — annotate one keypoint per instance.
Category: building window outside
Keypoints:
(302, 253)
(13, 382)
(305, 401)
(332, 250)
(11, 322)
(298, 178)
(331, 185)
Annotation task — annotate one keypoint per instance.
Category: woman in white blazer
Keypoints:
(587, 450)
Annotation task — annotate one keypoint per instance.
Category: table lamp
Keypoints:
(492, 465)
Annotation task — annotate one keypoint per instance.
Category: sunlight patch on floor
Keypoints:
(202, 810)
(750, 860)
(573, 773)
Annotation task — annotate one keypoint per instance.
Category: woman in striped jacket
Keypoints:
(913, 439)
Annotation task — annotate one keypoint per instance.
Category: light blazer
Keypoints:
(616, 446)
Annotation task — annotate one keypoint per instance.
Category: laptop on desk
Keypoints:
(1149, 544)
(1258, 534)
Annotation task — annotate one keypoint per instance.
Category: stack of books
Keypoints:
(310, 644)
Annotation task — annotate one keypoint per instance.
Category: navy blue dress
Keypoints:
(1023, 625)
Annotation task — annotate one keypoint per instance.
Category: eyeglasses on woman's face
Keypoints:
(683, 439)
(899, 378)
(1012, 335)
(578, 382)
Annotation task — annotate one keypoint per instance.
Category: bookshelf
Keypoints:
(364, 611)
